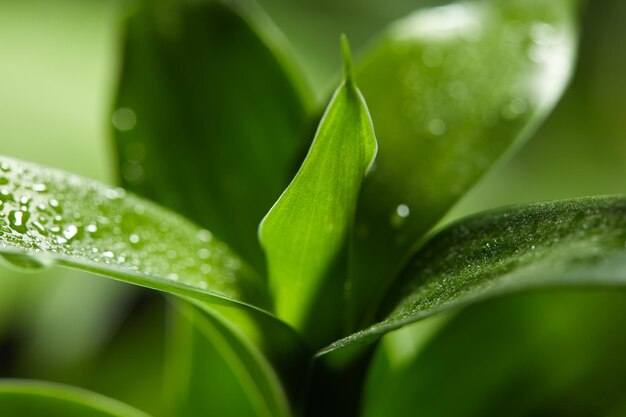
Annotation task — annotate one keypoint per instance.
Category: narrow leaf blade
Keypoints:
(48, 215)
(22, 398)
(556, 244)
(209, 115)
(450, 90)
(305, 232)
(216, 371)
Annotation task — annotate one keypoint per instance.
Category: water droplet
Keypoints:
(205, 236)
(133, 172)
(204, 253)
(515, 108)
(70, 232)
(5, 167)
(458, 90)
(18, 219)
(91, 228)
(437, 127)
(399, 215)
(5, 195)
(40, 228)
(403, 210)
(206, 269)
(203, 285)
(124, 119)
(114, 193)
(432, 56)
(108, 254)
(173, 276)
(233, 264)
(134, 238)
(39, 187)
(54, 203)
(26, 263)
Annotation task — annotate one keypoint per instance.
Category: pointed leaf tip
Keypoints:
(348, 72)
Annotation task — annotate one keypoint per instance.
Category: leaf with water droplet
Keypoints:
(85, 225)
(34, 398)
(575, 243)
(209, 114)
(450, 90)
(304, 234)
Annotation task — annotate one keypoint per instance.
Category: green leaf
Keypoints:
(305, 232)
(49, 216)
(215, 371)
(22, 398)
(209, 115)
(450, 90)
(554, 244)
(537, 354)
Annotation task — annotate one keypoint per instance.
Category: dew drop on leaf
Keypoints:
(17, 220)
(124, 119)
(437, 127)
(400, 214)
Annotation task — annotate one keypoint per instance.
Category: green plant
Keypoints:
(212, 121)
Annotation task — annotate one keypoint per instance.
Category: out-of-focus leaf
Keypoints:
(209, 115)
(23, 398)
(554, 353)
(57, 340)
(214, 371)
(450, 89)
(305, 232)
(51, 216)
(554, 244)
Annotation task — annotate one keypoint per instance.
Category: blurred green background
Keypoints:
(58, 63)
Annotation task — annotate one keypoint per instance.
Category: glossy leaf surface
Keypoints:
(450, 89)
(305, 233)
(49, 216)
(31, 398)
(564, 243)
(215, 371)
(209, 115)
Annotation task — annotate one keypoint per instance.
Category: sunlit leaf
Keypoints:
(450, 89)
(305, 232)
(557, 353)
(23, 398)
(209, 114)
(49, 216)
(214, 371)
(564, 243)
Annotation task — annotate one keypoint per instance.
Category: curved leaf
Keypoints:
(305, 232)
(214, 371)
(450, 89)
(51, 216)
(565, 243)
(209, 114)
(22, 398)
